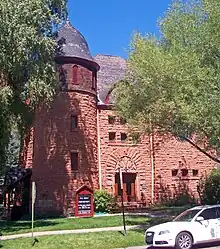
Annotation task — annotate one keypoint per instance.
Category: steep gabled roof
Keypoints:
(112, 70)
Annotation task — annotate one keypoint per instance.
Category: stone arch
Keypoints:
(126, 164)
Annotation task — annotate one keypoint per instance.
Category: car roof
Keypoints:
(205, 207)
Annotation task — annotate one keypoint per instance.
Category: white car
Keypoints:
(199, 224)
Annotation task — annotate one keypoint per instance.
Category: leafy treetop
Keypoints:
(173, 81)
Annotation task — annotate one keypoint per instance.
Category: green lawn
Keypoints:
(11, 227)
(104, 240)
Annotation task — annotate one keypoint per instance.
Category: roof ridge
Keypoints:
(110, 55)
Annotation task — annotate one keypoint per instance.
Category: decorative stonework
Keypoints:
(126, 165)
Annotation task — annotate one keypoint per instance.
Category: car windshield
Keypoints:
(187, 215)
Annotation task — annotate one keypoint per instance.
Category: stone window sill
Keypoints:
(122, 144)
(186, 178)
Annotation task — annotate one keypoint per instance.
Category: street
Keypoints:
(211, 246)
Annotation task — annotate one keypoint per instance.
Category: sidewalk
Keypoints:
(91, 230)
(134, 247)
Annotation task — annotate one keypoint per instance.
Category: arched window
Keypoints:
(94, 79)
(75, 75)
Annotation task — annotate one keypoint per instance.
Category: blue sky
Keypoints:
(108, 25)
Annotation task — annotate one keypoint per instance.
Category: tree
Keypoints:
(210, 191)
(173, 82)
(27, 67)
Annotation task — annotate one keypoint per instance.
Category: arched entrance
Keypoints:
(129, 176)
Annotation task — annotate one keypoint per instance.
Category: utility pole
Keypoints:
(122, 198)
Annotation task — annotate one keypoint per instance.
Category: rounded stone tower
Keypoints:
(65, 144)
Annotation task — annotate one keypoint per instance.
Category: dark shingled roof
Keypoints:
(71, 43)
(16, 174)
(112, 70)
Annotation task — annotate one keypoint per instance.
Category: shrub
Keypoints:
(211, 191)
(104, 201)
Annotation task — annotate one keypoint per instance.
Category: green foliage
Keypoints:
(182, 199)
(135, 137)
(13, 149)
(211, 189)
(104, 202)
(27, 67)
(174, 80)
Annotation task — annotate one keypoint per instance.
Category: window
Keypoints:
(123, 121)
(94, 79)
(187, 215)
(174, 172)
(75, 75)
(195, 172)
(111, 119)
(209, 213)
(74, 161)
(123, 136)
(135, 137)
(111, 136)
(218, 212)
(184, 172)
(74, 122)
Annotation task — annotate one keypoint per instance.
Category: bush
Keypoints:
(104, 201)
(211, 190)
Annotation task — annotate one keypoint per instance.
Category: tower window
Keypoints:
(124, 137)
(74, 160)
(94, 79)
(123, 121)
(74, 121)
(184, 172)
(174, 172)
(111, 136)
(75, 75)
(195, 172)
(111, 119)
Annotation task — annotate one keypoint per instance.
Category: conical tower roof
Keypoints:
(71, 43)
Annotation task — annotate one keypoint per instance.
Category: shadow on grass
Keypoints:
(9, 227)
(121, 232)
(148, 222)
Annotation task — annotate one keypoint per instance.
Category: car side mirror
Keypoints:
(200, 218)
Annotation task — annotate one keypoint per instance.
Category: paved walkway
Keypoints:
(90, 230)
(134, 247)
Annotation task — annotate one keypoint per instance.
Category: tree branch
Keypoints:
(202, 150)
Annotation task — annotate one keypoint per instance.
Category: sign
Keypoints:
(34, 192)
(84, 202)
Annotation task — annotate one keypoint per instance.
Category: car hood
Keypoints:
(171, 226)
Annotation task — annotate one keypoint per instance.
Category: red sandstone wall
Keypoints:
(171, 153)
(84, 78)
(111, 153)
(53, 142)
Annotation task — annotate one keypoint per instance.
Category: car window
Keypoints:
(218, 212)
(209, 213)
(187, 215)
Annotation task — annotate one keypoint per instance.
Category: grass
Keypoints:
(104, 240)
(23, 226)
(11, 227)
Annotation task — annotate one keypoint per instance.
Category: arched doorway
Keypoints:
(129, 176)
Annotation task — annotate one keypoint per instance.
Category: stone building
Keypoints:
(79, 140)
